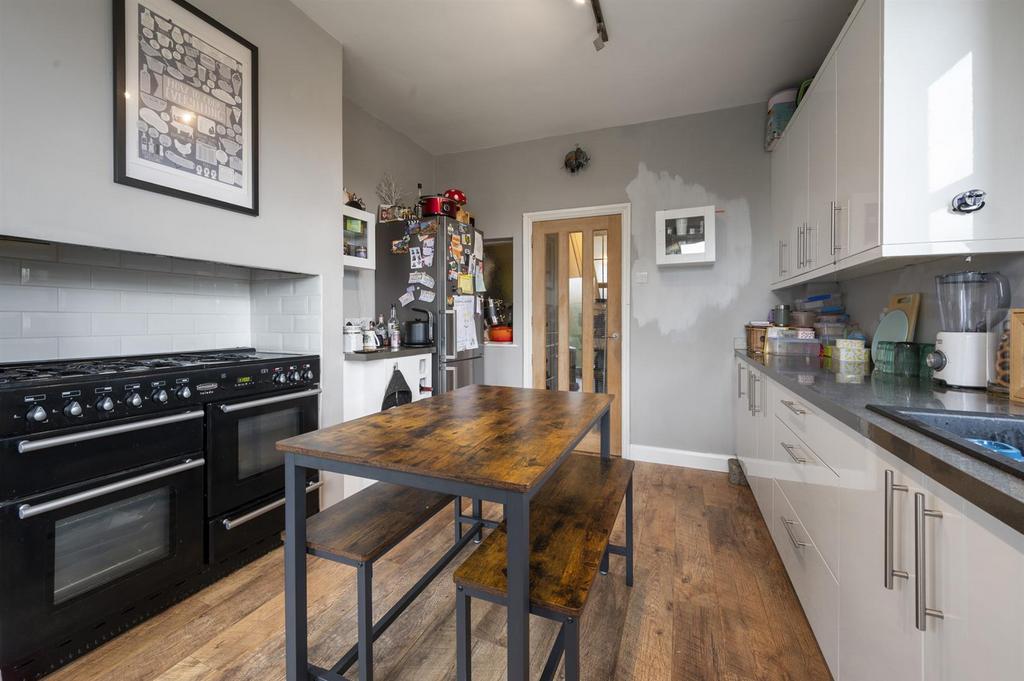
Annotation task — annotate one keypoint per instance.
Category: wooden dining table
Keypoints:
(484, 442)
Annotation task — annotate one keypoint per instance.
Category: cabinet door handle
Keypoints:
(789, 450)
(793, 408)
(887, 553)
(802, 246)
(835, 227)
(739, 381)
(750, 391)
(782, 258)
(754, 409)
(788, 524)
(922, 611)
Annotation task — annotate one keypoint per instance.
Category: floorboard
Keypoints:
(711, 602)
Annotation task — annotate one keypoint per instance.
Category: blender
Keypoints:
(965, 299)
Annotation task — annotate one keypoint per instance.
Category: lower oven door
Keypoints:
(243, 462)
(80, 563)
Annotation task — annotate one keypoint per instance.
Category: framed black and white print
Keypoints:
(685, 236)
(185, 105)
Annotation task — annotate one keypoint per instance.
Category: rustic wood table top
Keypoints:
(504, 438)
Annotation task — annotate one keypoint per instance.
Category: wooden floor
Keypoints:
(711, 601)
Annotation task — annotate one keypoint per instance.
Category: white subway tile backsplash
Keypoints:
(314, 305)
(118, 324)
(55, 274)
(307, 286)
(271, 342)
(266, 304)
(170, 323)
(233, 340)
(194, 305)
(27, 349)
(119, 280)
(295, 342)
(307, 323)
(10, 271)
(195, 341)
(10, 324)
(69, 348)
(281, 323)
(217, 323)
(132, 301)
(55, 324)
(171, 283)
(280, 287)
(222, 287)
(88, 300)
(314, 342)
(198, 267)
(28, 299)
(232, 272)
(144, 261)
(260, 323)
(233, 306)
(295, 305)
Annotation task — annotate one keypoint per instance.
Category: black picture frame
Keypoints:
(121, 166)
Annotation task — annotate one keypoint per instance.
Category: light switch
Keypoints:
(640, 277)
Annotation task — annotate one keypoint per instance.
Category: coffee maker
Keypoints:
(959, 359)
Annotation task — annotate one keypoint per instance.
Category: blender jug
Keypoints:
(966, 297)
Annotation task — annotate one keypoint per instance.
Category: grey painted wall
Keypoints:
(866, 296)
(56, 112)
(371, 149)
(684, 320)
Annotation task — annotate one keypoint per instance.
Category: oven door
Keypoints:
(241, 446)
(85, 561)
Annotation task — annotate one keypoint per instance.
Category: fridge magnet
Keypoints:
(400, 246)
(428, 228)
(186, 105)
(421, 278)
(415, 258)
(427, 296)
(406, 298)
(465, 239)
(465, 283)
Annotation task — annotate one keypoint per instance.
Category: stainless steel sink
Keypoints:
(954, 428)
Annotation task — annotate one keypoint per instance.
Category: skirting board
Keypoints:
(680, 457)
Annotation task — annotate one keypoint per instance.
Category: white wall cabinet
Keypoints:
(843, 511)
(917, 101)
(781, 209)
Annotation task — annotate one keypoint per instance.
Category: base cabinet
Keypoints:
(899, 577)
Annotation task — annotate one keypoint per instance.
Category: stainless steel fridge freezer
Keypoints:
(449, 254)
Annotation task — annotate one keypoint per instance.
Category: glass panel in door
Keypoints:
(97, 546)
(257, 438)
(577, 359)
(600, 311)
(551, 312)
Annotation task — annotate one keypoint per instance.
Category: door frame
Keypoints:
(623, 211)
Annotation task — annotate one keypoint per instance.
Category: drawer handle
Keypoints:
(793, 408)
(788, 524)
(923, 612)
(789, 450)
(890, 570)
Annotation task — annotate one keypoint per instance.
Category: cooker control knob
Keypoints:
(308, 375)
(36, 414)
(160, 395)
(134, 400)
(184, 392)
(281, 378)
(295, 377)
(72, 409)
(936, 360)
(105, 404)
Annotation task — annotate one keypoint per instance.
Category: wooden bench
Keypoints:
(571, 520)
(360, 529)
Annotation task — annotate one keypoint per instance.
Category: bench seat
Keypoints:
(571, 519)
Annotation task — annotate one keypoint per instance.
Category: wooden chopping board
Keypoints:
(910, 303)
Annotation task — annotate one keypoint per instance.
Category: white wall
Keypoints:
(56, 169)
(684, 320)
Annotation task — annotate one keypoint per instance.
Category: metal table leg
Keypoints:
(296, 654)
(606, 434)
(517, 513)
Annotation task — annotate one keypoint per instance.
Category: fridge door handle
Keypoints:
(449, 335)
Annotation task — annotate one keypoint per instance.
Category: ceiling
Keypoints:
(456, 75)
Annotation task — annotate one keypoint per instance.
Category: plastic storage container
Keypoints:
(804, 347)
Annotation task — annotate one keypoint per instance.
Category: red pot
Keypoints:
(501, 334)
(438, 205)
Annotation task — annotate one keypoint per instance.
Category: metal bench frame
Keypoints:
(567, 643)
(368, 631)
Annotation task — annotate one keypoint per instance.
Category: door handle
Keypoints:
(26, 446)
(793, 408)
(887, 555)
(789, 450)
(788, 524)
(835, 227)
(231, 523)
(922, 611)
(614, 336)
(739, 380)
(754, 409)
(228, 408)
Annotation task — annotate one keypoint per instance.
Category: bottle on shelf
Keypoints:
(382, 332)
(394, 334)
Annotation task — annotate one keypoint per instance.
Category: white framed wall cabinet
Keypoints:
(359, 235)
(685, 236)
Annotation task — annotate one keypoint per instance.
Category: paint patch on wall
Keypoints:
(685, 293)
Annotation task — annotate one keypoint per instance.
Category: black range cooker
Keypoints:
(128, 483)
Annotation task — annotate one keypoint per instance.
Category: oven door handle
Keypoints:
(228, 408)
(26, 511)
(26, 446)
(232, 523)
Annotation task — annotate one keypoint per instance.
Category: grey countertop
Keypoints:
(387, 354)
(999, 493)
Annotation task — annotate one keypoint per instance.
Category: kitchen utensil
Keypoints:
(894, 327)
(961, 348)
(500, 334)
(997, 352)
(1017, 355)
(883, 354)
(353, 336)
(420, 331)
(780, 315)
(1001, 448)
(906, 359)
(456, 195)
(371, 341)
(802, 318)
(793, 346)
(910, 303)
(438, 205)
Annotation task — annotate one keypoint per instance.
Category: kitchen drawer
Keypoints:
(812, 488)
(809, 424)
(814, 584)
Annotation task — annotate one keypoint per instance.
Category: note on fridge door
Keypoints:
(465, 323)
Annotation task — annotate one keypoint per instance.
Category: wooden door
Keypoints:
(577, 312)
